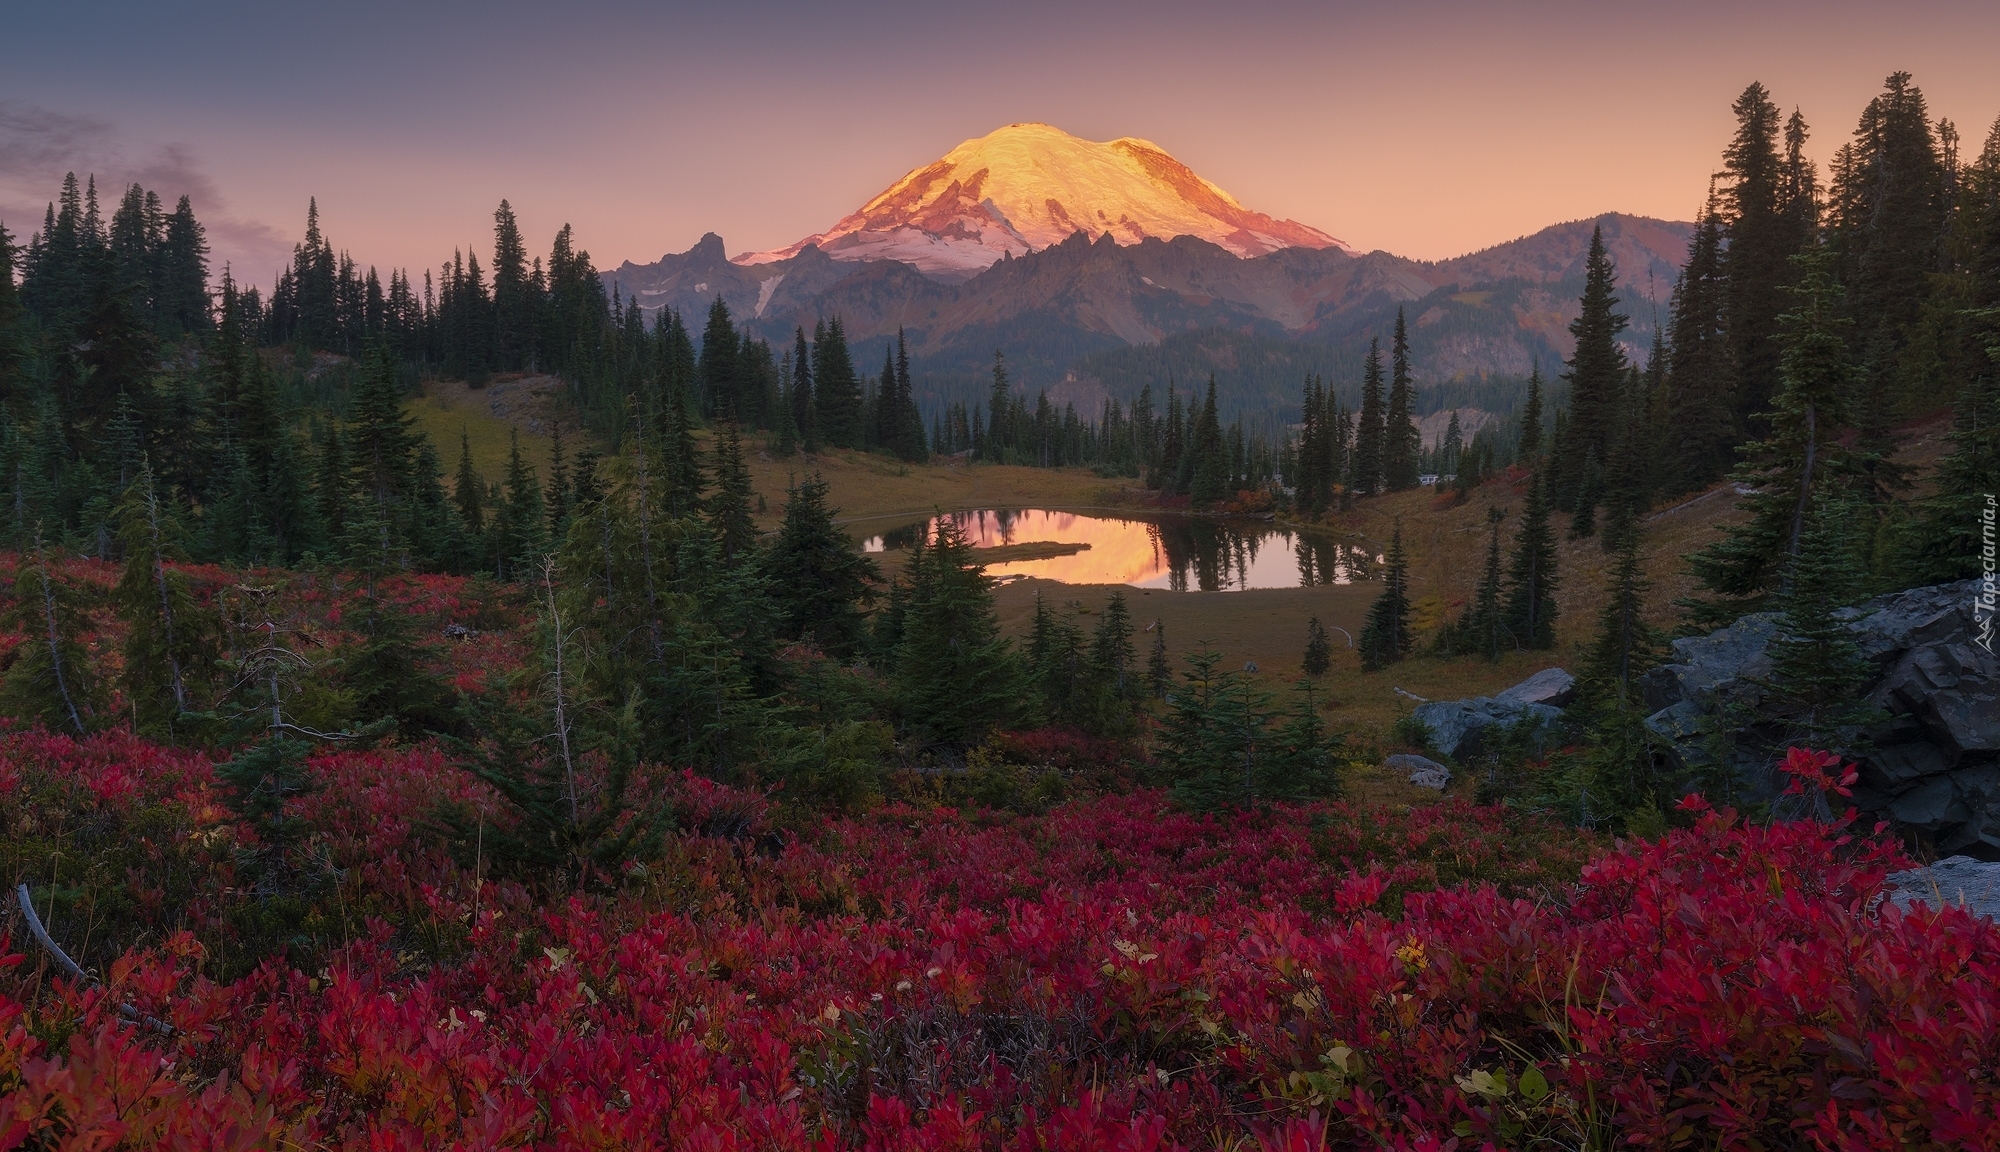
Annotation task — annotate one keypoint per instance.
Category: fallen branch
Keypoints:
(1413, 696)
(75, 970)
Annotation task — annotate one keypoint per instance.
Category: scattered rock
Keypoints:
(1423, 771)
(457, 631)
(1457, 727)
(1551, 686)
(1957, 882)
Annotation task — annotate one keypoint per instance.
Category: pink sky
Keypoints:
(1425, 129)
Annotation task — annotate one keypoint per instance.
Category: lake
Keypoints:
(1175, 552)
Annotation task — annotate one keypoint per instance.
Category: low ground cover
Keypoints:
(1109, 973)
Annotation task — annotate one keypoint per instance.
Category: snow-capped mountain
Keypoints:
(1027, 187)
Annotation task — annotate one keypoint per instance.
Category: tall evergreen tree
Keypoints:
(1530, 610)
(1817, 670)
(1370, 426)
(1596, 372)
(1319, 650)
(721, 355)
(1788, 470)
(515, 318)
(1483, 628)
(836, 387)
(819, 583)
(1702, 422)
(1400, 442)
(1531, 418)
(1385, 638)
(955, 676)
(468, 489)
(729, 509)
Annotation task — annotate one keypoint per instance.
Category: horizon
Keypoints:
(594, 117)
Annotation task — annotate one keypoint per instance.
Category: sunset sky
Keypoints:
(1428, 129)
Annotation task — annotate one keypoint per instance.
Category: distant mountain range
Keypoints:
(1096, 267)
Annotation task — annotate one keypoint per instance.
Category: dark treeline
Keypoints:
(1182, 451)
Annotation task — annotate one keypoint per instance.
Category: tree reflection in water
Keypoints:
(1180, 553)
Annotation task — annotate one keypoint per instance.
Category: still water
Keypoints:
(1180, 553)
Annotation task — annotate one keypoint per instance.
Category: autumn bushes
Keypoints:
(1112, 973)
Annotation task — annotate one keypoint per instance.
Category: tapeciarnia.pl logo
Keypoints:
(1989, 587)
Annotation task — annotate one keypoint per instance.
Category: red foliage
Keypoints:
(1112, 975)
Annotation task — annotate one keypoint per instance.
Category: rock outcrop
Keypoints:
(1931, 763)
(1462, 729)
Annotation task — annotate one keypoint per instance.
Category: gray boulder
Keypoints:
(1959, 882)
(1932, 762)
(1458, 728)
(1724, 666)
(1419, 770)
(1551, 686)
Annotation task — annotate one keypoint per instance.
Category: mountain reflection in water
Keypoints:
(1181, 553)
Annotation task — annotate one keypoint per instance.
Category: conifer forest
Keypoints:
(686, 767)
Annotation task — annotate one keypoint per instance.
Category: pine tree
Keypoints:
(467, 488)
(1369, 431)
(1530, 611)
(172, 643)
(1319, 651)
(1790, 467)
(558, 498)
(1111, 656)
(1385, 638)
(1702, 380)
(1531, 418)
(1159, 672)
(1218, 750)
(1763, 234)
(955, 676)
(836, 387)
(819, 583)
(729, 514)
(51, 679)
(1817, 669)
(1483, 628)
(517, 540)
(1625, 646)
(1400, 442)
(514, 300)
(1208, 462)
(721, 353)
(1943, 539)
(1595, 373)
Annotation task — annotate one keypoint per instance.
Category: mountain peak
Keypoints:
(1029, 186)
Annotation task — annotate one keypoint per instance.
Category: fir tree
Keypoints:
(955, 676)
(1817, 670)
(1531, 418)
(1701, 402)
(467, 488)
(51, 679)
(818, 582)
(1385, 638)
(1159, 672)
(1111, 656)
(720, 365)
(1530, 611)
(729, 514)
(1319, 651)
(1792, 465)
(1625, 646)
(1595, 373)
(1369, 431)
(172, 643)
(1400, 443)
(1484, 626)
